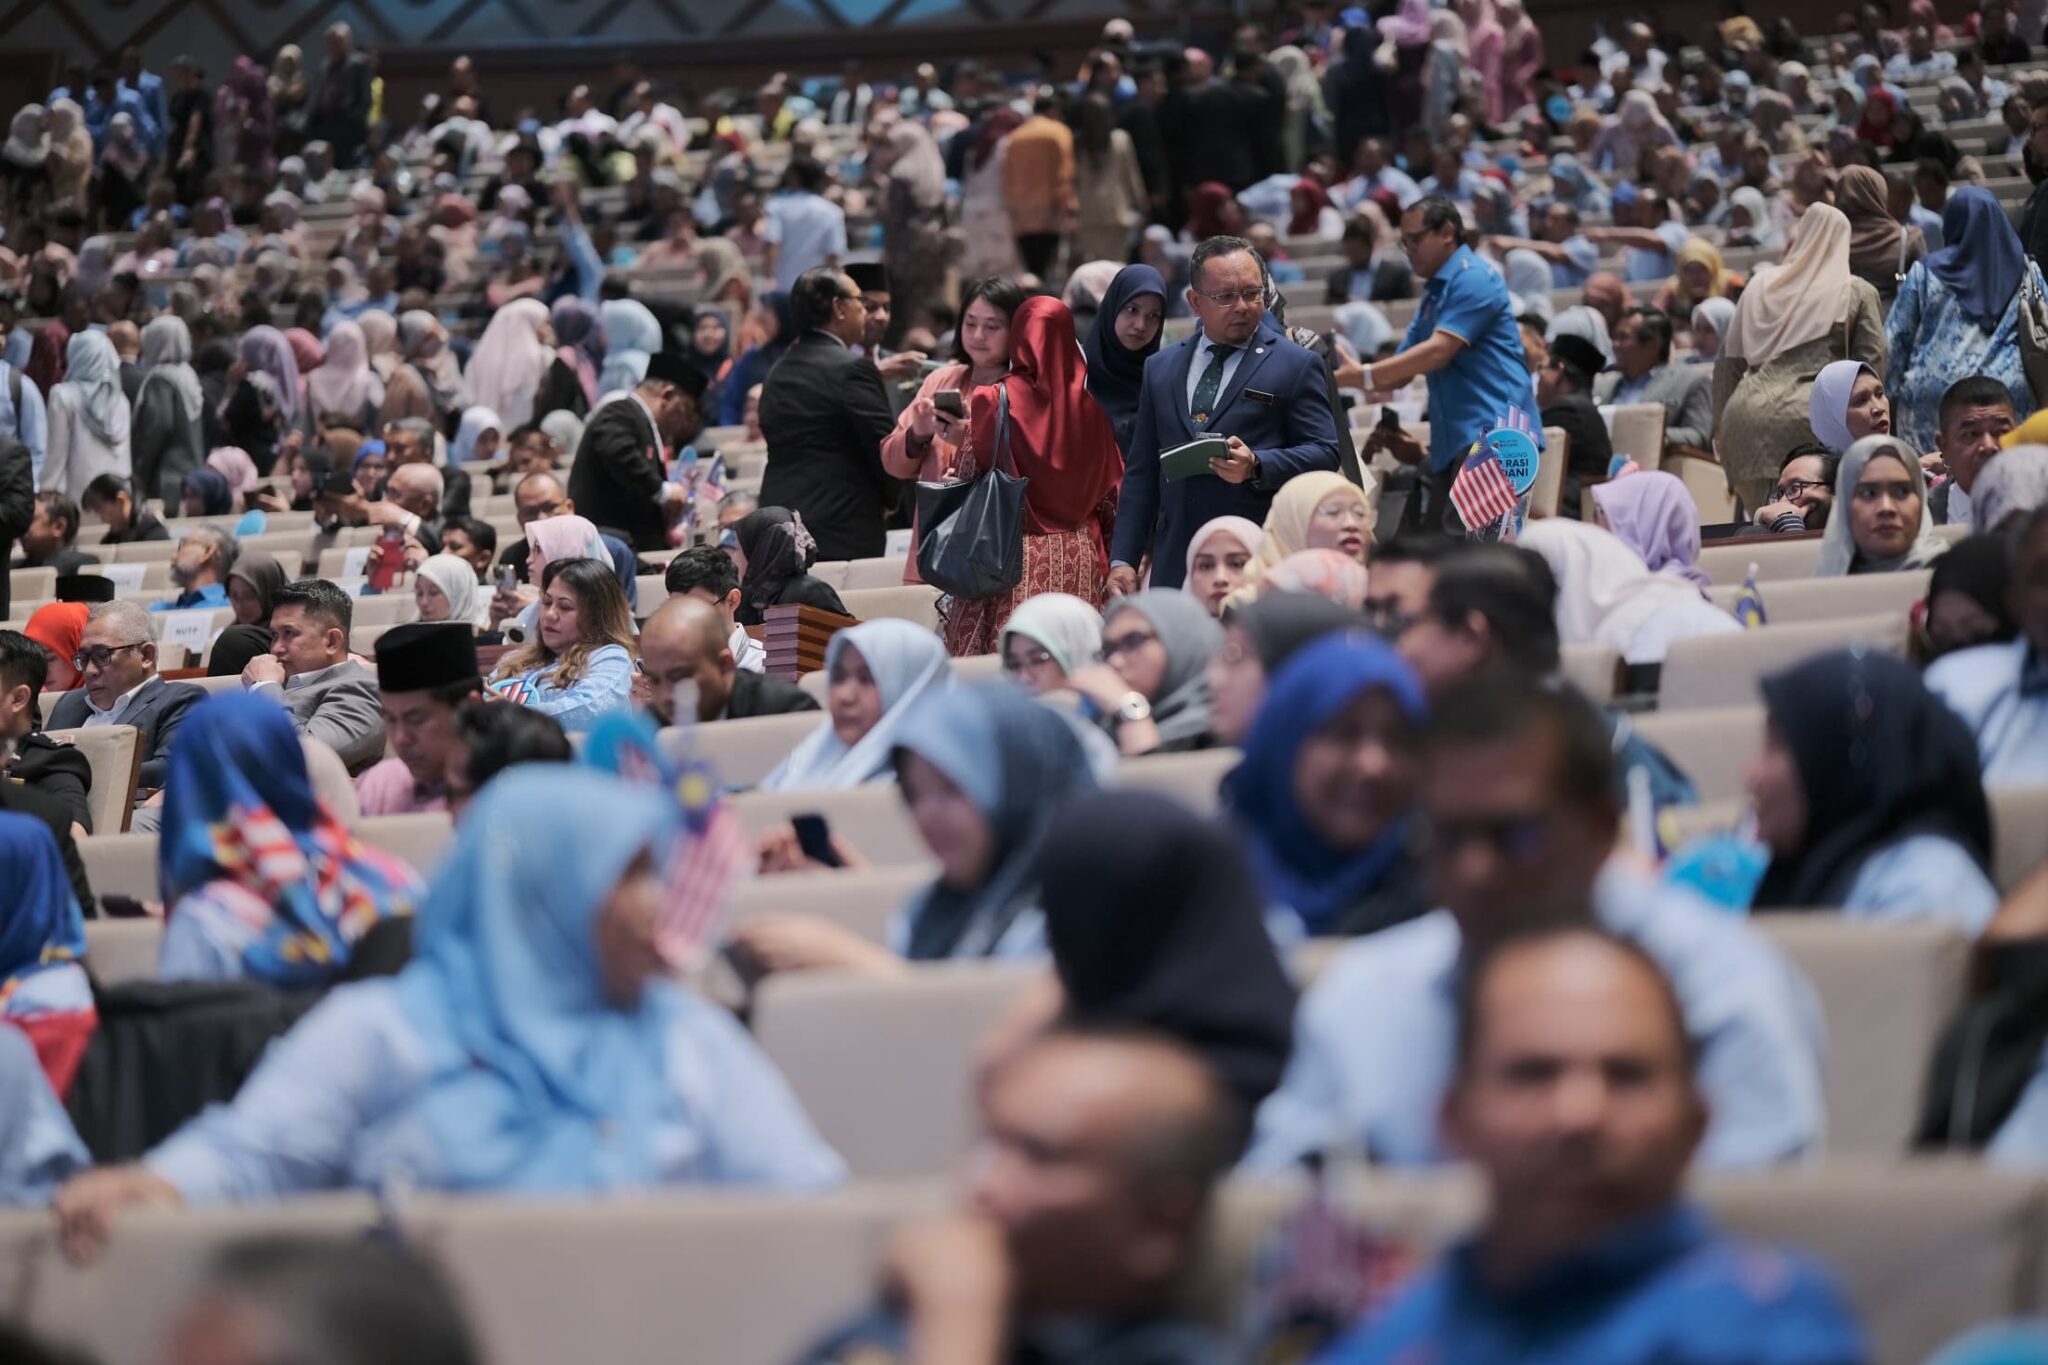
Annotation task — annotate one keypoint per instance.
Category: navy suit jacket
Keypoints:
(1277, 402)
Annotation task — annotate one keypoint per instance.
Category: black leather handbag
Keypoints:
(971, 533)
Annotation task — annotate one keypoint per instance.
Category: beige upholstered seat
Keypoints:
(1637, 431)
(1886, 990)
(1593, 669)
(1723, 670)
(884, 1065)
(1711, 745)
(916, 603)
(119, 950)
(1791, 600)
(1728, 561)
(112, 752)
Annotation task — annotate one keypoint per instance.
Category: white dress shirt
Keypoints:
(112, 715)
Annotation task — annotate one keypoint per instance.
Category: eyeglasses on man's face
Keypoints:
(1230, 298)
(100, 655)
(1789, 489)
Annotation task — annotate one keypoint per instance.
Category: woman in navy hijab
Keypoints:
(1126, 333)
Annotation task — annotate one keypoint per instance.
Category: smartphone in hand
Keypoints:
(950, 402)
(814, 837)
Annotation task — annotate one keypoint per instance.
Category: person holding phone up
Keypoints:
(931, 432)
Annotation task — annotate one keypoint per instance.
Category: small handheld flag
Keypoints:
(1749, 607)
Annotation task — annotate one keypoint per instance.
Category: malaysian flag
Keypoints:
(712, 855)
(1481, 492)
(1749, 607)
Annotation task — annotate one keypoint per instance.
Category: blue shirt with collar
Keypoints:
(195, 600)
(1375, 1038)
(1490, 373)
(1668, 1288)
(212, 595)
(1205, 354)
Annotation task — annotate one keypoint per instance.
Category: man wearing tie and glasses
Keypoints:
(1237, 377)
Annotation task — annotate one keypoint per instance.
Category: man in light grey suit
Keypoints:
(117, 655)
(1643, 373)
(332, 698)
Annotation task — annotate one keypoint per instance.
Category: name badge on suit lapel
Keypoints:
(1258, 396)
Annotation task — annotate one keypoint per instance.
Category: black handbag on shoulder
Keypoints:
(971, 533)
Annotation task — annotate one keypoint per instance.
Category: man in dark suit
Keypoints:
(824, 415)
(684, 645)
(620, 478)
(17, 505)
(56, 771)
(1237, 377)
(117, 654)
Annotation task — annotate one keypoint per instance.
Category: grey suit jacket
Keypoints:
(157, 711)
(339, 707)
(1687, 393)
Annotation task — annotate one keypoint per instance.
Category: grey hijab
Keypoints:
(167, 359)
(1190, 636)
(2017, 481)
(1838, 552)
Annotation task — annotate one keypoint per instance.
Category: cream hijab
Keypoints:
(1799, 300)
(1286, 529)
(1838, 550)
(467, 603)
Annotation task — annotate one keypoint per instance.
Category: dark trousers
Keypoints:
(1039, 249)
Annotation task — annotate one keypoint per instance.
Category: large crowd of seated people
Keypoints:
(1378, 584)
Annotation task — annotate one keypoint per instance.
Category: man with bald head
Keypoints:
(1606, 295)
(684, 650)
(1084, 1207)
(1575, 1094)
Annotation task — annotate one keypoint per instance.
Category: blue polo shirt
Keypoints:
(1669, 1288)
(1491, 375)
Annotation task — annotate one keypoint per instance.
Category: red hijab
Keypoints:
(1870, 132)
(1059, 437)
(1205, 210)
(1310, 199)
(47, 356)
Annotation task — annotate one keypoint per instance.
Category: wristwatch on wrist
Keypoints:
(1134, 707)
(1258, 474)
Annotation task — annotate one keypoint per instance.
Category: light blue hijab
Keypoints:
(906, 660)
(536, 1083)
(631, 335)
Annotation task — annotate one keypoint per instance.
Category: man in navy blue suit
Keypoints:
(1238, 377)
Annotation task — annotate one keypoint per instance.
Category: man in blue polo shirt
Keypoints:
(1465, 339)
(1575, 1095)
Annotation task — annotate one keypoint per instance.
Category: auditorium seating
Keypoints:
(912, 602)
(1924, 1250)
(1791, 600)
(1723, 670)
(1712, 745)
(113, 753)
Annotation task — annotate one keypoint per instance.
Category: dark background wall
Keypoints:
(529, 51)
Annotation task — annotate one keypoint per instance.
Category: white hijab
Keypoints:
(511, 361)
(1607, 595)
(906, 661)
(467, 604)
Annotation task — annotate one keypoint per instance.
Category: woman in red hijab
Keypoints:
(1213, 211)
(1880, 125)
(47, 357)
(1314, 214)
(1060, 440)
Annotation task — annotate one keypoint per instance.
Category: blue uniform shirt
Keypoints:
(1490, 375)
(1669, 1289)
(1994, 689)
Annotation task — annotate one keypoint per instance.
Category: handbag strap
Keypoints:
(1002, 457)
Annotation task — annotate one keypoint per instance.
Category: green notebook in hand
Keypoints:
(1184, 462)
